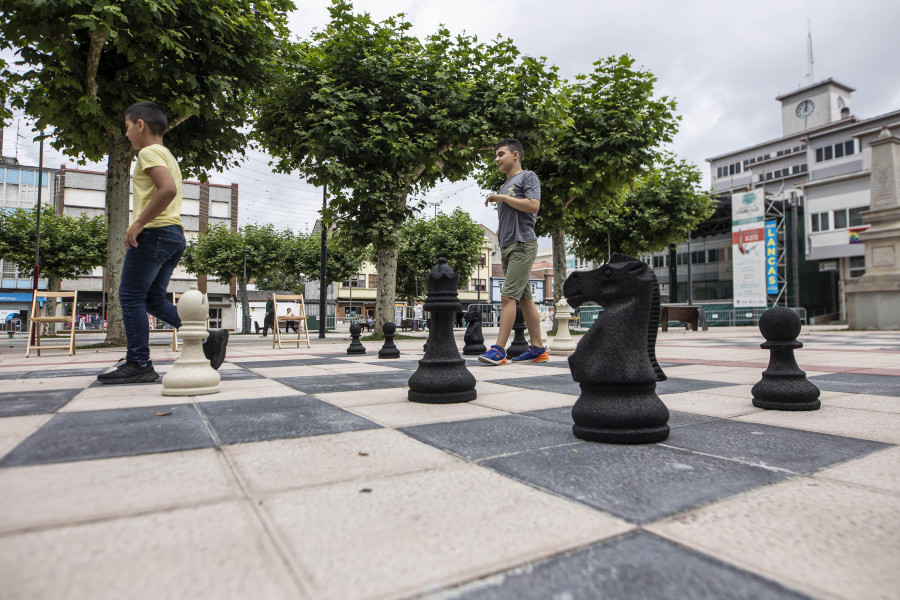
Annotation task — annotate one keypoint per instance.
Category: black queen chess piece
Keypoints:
(389, 349)
(355, 346)
(615, 362)
(519, 343)
(473, 338)
(442, 376)
(783, 385)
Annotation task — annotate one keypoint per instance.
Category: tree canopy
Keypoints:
(378, 115)
(304, 257)
(456, 237)
(662, 207)
(70, 246)
(219, 252)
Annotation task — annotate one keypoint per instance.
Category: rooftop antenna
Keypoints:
(809, 53)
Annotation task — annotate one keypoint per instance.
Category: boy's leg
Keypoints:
(533, 320)
(139, 273)
(157, 304)
(507, 320)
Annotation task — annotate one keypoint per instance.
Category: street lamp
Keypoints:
(323, 259)
(246, 308)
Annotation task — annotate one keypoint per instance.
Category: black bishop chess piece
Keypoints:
(519, 343)
(783, 386)
(389, 349)
(615, 363)
(442, 376)
(355, 346)
(473, 338)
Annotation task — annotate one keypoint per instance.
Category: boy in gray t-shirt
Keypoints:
(518, 201)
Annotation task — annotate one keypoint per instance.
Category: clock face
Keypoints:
(805, 108)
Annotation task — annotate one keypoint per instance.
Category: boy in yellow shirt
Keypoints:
(154, 244)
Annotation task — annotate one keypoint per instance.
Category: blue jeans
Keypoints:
(142, 290)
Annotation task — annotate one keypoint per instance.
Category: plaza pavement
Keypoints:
(311, 476)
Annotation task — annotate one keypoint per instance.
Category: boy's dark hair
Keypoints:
(152, 115)
(513, 145)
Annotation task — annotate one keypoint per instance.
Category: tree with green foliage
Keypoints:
(378, 116)
(613, 132)
(305, 255)
(83, 62)
(70, 246)
(456, 237)
(219, 252)
(661, 207)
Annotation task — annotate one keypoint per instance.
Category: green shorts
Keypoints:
(517, 260)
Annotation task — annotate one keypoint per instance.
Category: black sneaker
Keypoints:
(130, 372)
(214, 347)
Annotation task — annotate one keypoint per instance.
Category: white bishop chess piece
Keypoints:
(192, 375)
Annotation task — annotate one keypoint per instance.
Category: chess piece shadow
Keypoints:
(783, 385)
(614, 363)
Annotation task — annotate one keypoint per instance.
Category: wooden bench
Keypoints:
(406, 324)
(689, 315)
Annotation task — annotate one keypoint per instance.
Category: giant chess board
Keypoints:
(311, 475)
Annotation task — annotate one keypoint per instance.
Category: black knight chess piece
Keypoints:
(519, 343)
(474, 338)
(442, 377)
(615, 362)
(783, 386)
(389, 349)
(356, 346)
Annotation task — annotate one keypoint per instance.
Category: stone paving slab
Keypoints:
(310, 475)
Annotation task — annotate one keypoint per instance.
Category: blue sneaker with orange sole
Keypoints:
(495, 356)
(533, 354)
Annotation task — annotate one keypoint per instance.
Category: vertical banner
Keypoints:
(771, 258)
(748, 215)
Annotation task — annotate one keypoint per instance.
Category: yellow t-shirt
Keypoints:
(156, 155)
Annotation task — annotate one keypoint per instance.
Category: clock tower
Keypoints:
(814, 106)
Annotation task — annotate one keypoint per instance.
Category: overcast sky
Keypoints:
(724, 63)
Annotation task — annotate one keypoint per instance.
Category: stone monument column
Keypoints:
(873, 302)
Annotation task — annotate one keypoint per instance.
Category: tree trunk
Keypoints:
(558, 235)
(117, 196)
(386, 265)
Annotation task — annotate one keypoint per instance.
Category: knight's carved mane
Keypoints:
(653, 325)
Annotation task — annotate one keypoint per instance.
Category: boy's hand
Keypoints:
(494, 198)
(131, 235)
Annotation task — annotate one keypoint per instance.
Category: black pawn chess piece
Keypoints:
(474, 338)
(613, 362)
(783, 386)
(356, 346)
(442, 377)
(389, 349)
(519, 343)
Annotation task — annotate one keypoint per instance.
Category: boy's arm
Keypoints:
(528, 205)
(162, 198)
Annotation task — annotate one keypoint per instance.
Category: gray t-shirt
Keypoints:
(516, 225)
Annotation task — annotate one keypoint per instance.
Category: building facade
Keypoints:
(816, 181)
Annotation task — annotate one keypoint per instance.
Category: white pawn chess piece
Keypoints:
(563, 344)
(192, 375)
